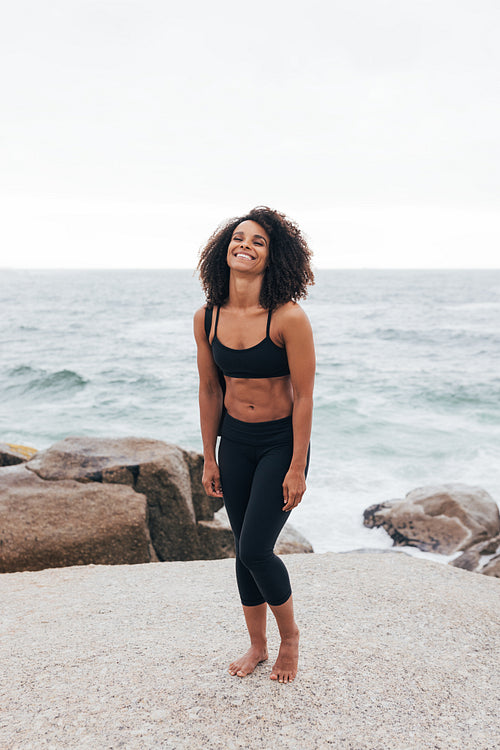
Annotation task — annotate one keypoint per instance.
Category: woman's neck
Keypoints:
(244, 291)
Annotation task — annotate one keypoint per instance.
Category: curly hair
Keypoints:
(288, 273)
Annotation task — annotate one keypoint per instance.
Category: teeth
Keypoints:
(244, 255)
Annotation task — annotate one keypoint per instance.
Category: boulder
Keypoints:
(167, 475)
(11, 454)
(81, 487)
(50, 524)
(446, 518)
(471, 558)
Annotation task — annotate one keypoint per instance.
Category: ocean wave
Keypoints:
(434, 336)
(453, 395)
(28, 380)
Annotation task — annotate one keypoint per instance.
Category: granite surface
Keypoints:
(397, 653)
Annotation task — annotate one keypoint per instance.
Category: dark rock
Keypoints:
(204, 506)
(51, 524)
(445, 518)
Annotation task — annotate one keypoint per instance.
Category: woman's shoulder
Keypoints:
(199, 320)
(289, 312)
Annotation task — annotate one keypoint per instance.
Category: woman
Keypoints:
(253, 269)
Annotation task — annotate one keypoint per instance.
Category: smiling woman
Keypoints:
(253, 269)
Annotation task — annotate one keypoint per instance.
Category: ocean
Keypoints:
(407, 391)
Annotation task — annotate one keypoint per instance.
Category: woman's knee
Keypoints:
(252, 554)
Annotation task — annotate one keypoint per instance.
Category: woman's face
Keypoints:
(248, 248)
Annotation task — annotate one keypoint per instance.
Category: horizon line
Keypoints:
(193, 270)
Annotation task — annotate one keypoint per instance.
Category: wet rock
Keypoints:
(445, 518)
(50, 524)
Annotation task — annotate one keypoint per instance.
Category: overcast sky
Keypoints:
(131, 128)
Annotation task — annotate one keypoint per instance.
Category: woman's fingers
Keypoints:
(212, 484)
(291, 497)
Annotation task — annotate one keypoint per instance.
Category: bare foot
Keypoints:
(247, 663)
(285, 667)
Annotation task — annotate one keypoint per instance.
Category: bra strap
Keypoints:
(268, 324)
(216, 322)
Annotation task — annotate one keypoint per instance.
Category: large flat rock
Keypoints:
(397, 654)
(56, 524)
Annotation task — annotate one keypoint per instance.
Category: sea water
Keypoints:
(407, 388)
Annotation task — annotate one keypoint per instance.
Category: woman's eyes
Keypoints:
(255, 242)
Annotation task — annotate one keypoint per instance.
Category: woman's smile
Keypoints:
(250, 244)
(245, 256)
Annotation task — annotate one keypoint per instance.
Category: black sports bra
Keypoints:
(264, 360)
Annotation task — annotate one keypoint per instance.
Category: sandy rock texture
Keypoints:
(445, 518)
(397, 654)
(57, 524)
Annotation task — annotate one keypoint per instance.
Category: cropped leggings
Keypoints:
(253, 460)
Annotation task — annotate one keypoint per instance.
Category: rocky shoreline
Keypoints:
(447, 519)
(108, 501)
(134, 500)
(397, 653)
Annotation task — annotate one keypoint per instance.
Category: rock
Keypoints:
(445, 518)
(492, 568)
(468, 560)
(167, 475)
(471, 558)
(204, 506)
(178, 517)
(11, 454)
(49, 524)
(290, 541)
(217, 536)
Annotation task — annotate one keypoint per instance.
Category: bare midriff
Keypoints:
(259, 399)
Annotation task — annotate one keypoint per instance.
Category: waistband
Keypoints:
(257, 433)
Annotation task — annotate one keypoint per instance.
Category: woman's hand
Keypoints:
(211, 479)
(294, 486)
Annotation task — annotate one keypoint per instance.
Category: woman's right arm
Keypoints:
(211, 402)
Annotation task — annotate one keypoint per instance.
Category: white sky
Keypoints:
(131, 128)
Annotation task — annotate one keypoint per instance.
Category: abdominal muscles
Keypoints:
(259, 399)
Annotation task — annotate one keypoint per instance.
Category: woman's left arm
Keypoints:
(298, 339)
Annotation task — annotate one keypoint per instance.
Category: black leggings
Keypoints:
(253, 460)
